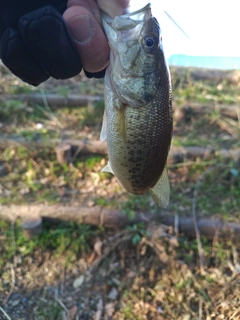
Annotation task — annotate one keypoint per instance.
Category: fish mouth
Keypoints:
(130, 20)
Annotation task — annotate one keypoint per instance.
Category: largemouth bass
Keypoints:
(137, 120)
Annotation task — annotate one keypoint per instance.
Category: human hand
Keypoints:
(56, 38)
(84, 23)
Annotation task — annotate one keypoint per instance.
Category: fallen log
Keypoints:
(87, 215)
(215, 75)
(77, 100)
(110, 218)
(84, 146)
(188, 109)
(209, 228)
(176, 155)
(53, 100)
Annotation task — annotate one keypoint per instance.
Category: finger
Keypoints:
(18, 58)
(89, 38)
(47, 36)
(90, 5)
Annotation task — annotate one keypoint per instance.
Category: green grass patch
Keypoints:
(68, 239)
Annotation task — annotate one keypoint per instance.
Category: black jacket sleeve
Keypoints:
(35, 43)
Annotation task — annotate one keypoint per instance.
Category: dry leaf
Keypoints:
(91, 258)
(109, 311)
(151, 274)
(72, 313)
(98, 314)
(174, 242)
(78, 282)
(113, 294)
(131, 274)
(98, 247)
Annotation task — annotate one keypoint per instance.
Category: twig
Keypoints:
(176, 224)
(107, 252)
(98, 314)
(194, 214)
(47, 111)
(12, 266)
(76, 153)
(191, 163)
(200, 309)
(238, 116)
(214, 242)
(62, 305)
(237, 312)
(4, 312)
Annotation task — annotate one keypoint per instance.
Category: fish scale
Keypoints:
(138, 115)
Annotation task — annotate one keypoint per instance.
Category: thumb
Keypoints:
(88, 37)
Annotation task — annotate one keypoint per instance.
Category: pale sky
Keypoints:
(212, 26)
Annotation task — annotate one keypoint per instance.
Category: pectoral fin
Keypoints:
(161, 190)
(107, 168)
(103, 134)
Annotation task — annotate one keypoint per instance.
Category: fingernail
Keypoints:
(81, 28)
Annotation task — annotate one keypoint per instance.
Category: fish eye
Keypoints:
(149, 42)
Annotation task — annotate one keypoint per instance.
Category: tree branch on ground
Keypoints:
(111, 218)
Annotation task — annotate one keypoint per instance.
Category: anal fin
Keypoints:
(161, 190)
(107, 168)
